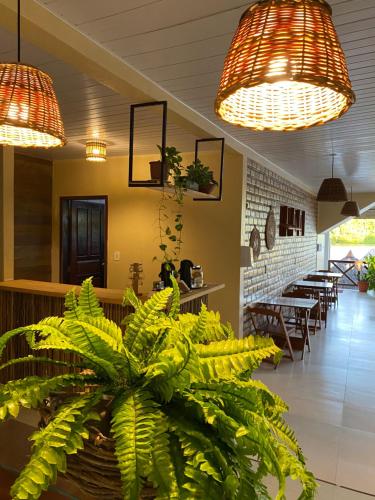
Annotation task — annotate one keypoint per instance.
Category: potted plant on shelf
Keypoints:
(200, 177)
(363, 283)
(166, 410)
(155, 171)
(156, 167)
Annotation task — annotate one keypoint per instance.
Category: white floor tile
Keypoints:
(319, 442)
(356, 464)
(361, 399)
(358, 418)
(344, 494)
(293, 490)
(331, 395)
(321, 410)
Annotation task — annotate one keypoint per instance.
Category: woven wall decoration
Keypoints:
(255, 242)
(270, 233)
(285, 69)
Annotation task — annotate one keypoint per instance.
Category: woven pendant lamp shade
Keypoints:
(96, 150)
(332, 189)
(29, 112)
(285, 69)
(351, 208)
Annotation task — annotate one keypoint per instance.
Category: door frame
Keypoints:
(64, 228)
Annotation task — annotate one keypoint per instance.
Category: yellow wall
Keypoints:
(211, 236)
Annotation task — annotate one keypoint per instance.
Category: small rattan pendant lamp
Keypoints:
(29, 111)
(351, 207)
(285, 69)
(96, 150)
(332, 189)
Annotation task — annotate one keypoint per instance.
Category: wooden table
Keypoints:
(303, 305)
(322, 286)
(329, 276)
(25, 302)
(325, 274)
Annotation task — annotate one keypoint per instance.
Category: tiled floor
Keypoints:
(331, 395)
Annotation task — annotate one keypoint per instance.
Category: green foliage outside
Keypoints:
(354, 232)
(186, 416)
(370, 275)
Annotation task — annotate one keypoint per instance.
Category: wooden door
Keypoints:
(83, 241)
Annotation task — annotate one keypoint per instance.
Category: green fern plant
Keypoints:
(185, 415)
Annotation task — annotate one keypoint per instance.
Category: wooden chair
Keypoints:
(270, 323)
(327, 299)
(316, 311)
(332, 294)
(335, 282)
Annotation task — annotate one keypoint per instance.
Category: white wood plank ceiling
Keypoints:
(89, 108)
(182, 45)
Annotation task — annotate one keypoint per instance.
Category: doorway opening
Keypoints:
(83, 239)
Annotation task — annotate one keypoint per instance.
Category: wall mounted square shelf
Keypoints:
(292, 221)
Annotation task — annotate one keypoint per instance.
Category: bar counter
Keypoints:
(105, 295)
(25, 302)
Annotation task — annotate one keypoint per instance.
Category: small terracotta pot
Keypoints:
(363, 286)
(155, 171)
(208, 188)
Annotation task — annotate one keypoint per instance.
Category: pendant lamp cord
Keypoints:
(19, 30)
(333, 155)
(333, 163)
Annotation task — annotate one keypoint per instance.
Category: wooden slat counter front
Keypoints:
(24, 302)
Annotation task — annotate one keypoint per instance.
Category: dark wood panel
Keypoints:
(32, 218)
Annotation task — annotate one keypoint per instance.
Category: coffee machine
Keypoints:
(185, 271)
(191, 274)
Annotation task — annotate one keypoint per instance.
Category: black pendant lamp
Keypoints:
(332, 189)
(351, 207)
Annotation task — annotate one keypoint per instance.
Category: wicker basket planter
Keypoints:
(155, 171)
(94, 469)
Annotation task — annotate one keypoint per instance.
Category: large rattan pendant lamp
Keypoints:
(285, 69)
(332, 189)
(351, 207)
(29, 111)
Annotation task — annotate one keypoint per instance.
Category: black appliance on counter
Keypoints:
(165, 274)
(185, 271)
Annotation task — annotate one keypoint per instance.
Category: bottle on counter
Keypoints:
(197, 276)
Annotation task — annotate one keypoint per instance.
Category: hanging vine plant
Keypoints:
(170, 214)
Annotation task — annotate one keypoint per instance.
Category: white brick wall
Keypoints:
(292, 256)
